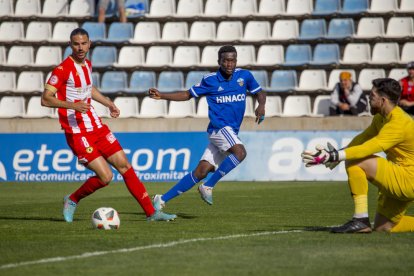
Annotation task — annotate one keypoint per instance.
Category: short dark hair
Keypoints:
(226, 49)
(79, 31)
(389, 88)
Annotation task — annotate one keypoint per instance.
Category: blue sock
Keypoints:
(225, 167)
(185, 184)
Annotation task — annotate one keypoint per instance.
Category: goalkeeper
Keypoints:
(392, 132)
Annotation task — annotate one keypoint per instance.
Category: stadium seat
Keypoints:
(27, 8)
(36, 110)
(11, 31)
(370, 27)
(209, 56)
(48, 56)
(82, 8)
(114, 82)
(340, 28)
(334, 77)
(8, 81)
(3, 58)
(367, 75)
(120, 32)
(397, 73)
(39, 31)
(55, 8)
(30, 81)
(104, 56)
(400, 27)
(285, 29)
(151, 108)
(128, 106)
(189, 8)
(229, 31)
(283, 81)
(159, 56)
(312, 80)
(297, 54)
(249, 111)
(355, 6)
(270, 55)
(20, 56)
(131, 56)
(313, 29)
(194, 77)
(62, 30)
(11, 106)
(182, 109)
(96, 30)
(407, 53)
(327, 7)
(321, 105)
(273, 106)
(271, 7)
(385, 53)
(325, 54)
(407, 6)
(246, 55)
(146, 32)
(257, 31)
(261, 77)
(96, 79)
(6, 8)
(141, 81)
(136, 8)
(161, 8)
(383, 6)
(296, 106)
(202, 108)
(185, 56)
(243, 7)
(299, 7)
(356, 53)
(203, 31)
(175, 31)
(216, 8)
(169, 81)
(101, 110)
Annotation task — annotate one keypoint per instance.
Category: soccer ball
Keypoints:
(106, 218)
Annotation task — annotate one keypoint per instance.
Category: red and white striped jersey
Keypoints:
(72, 82)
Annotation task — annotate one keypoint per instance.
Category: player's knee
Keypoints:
(107, 178)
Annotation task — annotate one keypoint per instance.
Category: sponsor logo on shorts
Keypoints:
(111, 138)
(89, 149)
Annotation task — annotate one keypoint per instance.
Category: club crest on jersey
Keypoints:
(89, 149)
(240, 81)
(53, 80)
(111, 138)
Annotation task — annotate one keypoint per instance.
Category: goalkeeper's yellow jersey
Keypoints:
(393, 135)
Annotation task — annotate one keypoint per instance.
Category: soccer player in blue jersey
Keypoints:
(226, 97)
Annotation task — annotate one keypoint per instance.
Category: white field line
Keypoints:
(140, 248)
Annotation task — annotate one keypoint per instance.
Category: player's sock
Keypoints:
(406, 224)
(90, 186)
(185, 184)
(225, 167)
(358, 185)
(138, 191)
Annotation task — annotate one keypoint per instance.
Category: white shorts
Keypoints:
(220, 142)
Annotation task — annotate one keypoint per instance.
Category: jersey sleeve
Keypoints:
(252, 85)
(56, 80)
(202, 88)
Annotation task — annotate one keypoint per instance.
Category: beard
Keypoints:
(374, 110)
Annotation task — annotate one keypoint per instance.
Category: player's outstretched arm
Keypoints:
(260, 110)
(49, 100)
(174, 96)
(113, 109)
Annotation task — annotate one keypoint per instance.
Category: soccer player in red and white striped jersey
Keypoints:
(70, 89)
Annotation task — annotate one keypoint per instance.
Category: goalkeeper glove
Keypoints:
(320, 156)
(331, 165)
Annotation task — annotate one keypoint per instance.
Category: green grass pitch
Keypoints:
(258, 228)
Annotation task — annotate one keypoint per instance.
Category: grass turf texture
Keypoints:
(32, 228)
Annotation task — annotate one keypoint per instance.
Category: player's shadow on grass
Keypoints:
(31, 218)
(317, 229)
(179, 215)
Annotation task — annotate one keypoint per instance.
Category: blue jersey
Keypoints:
(226, 98)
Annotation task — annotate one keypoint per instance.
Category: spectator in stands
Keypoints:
(347, 97)
(103, 6)
(406, 101)
(90, 140)
(225, 91)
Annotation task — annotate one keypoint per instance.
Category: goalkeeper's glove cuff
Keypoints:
(341, 155)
